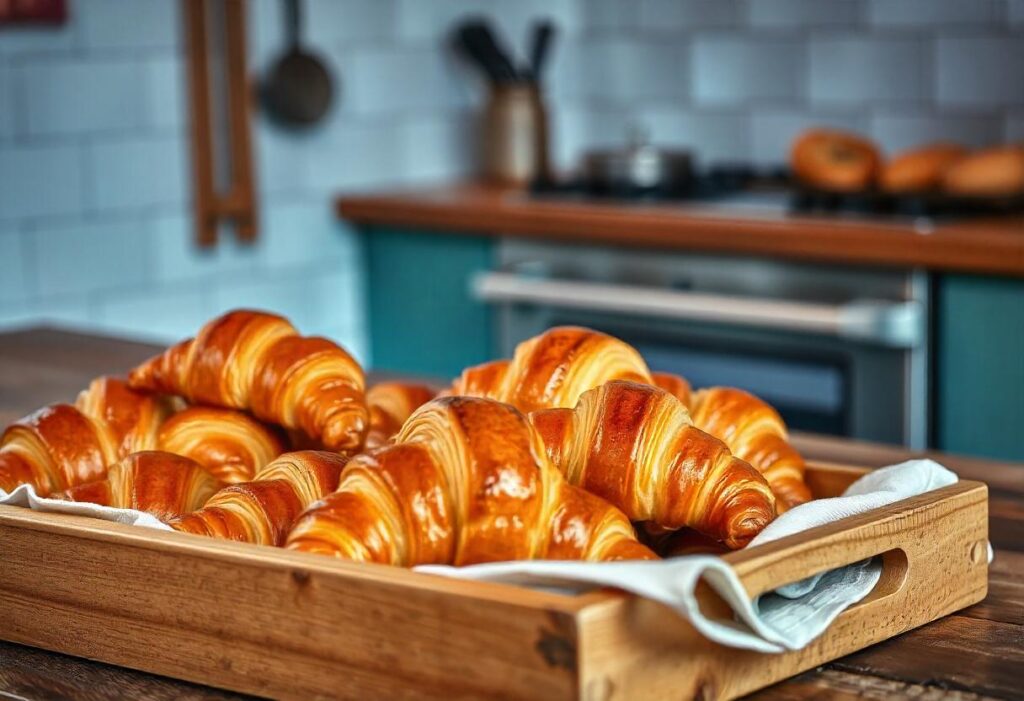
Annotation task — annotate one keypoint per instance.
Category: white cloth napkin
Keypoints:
(786, 619)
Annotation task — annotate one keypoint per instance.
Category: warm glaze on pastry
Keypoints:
(835, 160)
(163, 484)
(554, 369)
(754, 432)
(262, 511)
(919, 169)
(257, 361)
(994, 172)
(231, 445)
(390, 404)
(465, 481)
(635, 445)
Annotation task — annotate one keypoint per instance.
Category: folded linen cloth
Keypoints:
(786, 619)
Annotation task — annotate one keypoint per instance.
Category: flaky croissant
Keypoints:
(163, 484)
(262, 511)
(258, 361)
(553, 369)
(231, 445)
(635, 445)
(752, 429)
(465, 481)
(390, 404)
(54, 448)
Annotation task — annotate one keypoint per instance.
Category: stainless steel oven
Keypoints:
(837, 350)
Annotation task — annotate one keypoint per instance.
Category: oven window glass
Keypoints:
(810, 394)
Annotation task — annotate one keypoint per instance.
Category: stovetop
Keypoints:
(774, 192)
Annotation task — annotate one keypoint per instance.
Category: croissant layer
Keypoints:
(257, 361)
(635, 445)
(465, 481)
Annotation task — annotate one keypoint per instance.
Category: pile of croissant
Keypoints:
(570, 450)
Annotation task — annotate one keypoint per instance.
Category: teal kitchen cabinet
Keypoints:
(422, 318)
(980, 373)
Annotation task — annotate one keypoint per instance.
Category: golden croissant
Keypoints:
(257, 361)
(390, 404)
(62, 446)
(635, 445)
(554, 369)
(752, 429)
(163, 484)
(262, 511)
(465, 481)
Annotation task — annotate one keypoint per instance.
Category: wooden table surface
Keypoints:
(979, 245)
(977, 653)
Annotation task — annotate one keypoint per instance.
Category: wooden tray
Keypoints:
(295, 625)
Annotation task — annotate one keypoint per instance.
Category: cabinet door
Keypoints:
(423, 319)
(980, 386)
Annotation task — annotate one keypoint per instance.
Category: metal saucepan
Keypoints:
(639, 167)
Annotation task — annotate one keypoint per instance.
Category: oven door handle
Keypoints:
(895, 324)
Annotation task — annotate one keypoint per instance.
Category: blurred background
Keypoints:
(106, 224)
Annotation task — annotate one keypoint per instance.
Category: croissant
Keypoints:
(262, 511)
(132, 418)
(635, 445)
(163, 484)
(554, 369)
(465, 481)
(55, 448)
(257, 361)
(231, 445)
(62, 446)
(390, 404)
(754, 432)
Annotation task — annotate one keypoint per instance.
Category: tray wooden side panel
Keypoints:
(272, 622)
(633, 648)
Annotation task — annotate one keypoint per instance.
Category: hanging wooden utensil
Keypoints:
(220, 107)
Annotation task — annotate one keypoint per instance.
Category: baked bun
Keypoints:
(835, 160)
(994, 172)
(921, 168)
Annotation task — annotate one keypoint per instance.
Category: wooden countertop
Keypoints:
(984, 245)
(975, 653)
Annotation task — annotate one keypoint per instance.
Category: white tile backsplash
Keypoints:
(712, 136)
(789, 14)
(163, 315)
(305, 233)
(738, 69)
(855, 70)
(40, 180)
(676, 15)
(629, 69)
(918, 13)
(73, 96)
(15, 280)
(86, 257)
(177, 258)
(116, 24)
(163, 92)
(980, 71)
(136, 172)
(6, 98)
(896, 132)
(389, 80)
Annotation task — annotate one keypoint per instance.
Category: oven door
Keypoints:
(849, 369)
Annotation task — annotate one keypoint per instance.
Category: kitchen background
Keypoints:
(94, 215)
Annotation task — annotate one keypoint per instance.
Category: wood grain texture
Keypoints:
(42, 366)
(994, 245)
(306, 626)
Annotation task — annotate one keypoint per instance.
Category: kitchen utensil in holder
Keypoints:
(515, 134)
